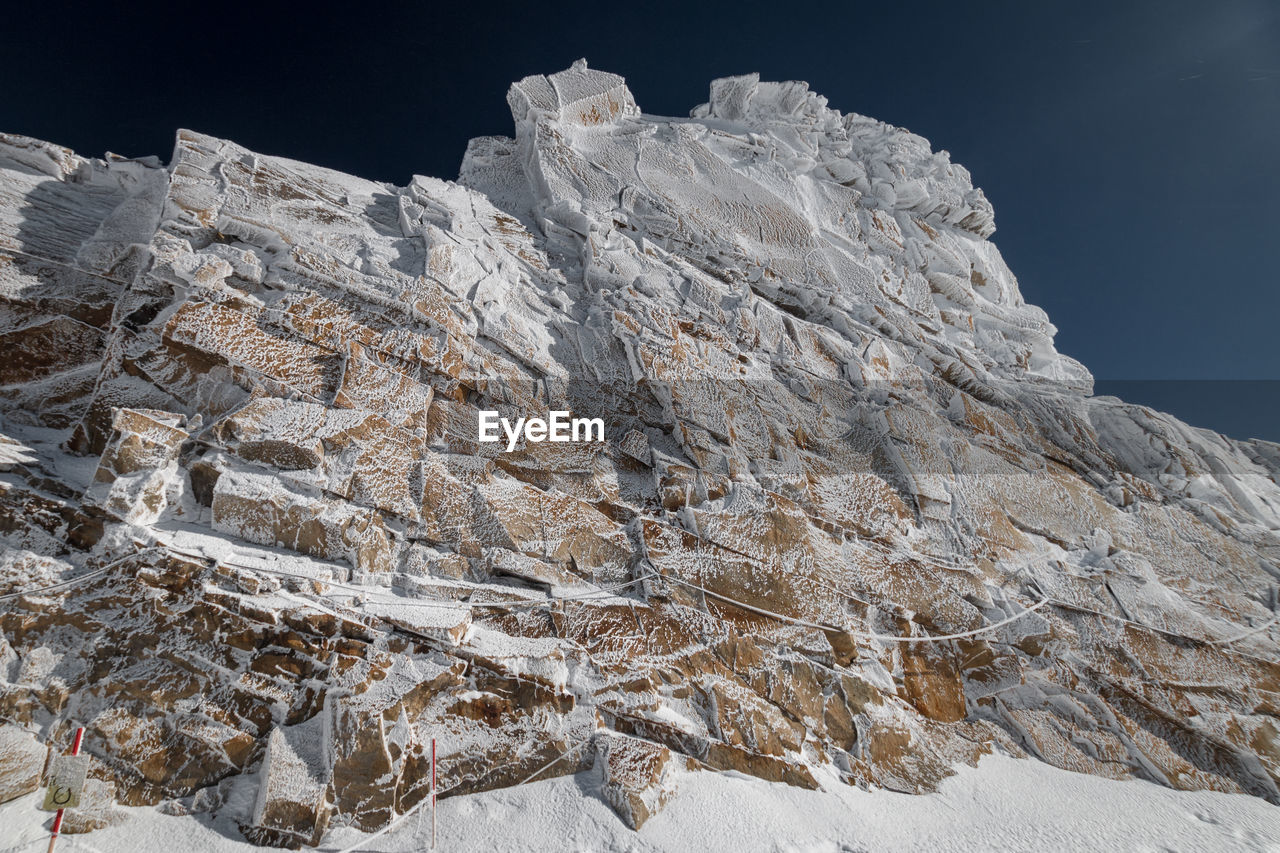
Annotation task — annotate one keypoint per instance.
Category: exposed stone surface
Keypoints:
(22, 761)
(291, 808)
(634, 772)
(97, 809)
(137, 466)
(251, 537)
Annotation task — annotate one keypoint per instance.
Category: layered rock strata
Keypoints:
(252, 542)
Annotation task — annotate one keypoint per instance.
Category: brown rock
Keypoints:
(932, 684)
(633, 771)
(264, 509)
(22, 760)
(97, 809)
(744, 719)
(724, 756)
(137, 465)
(291, 808)
(52, 346)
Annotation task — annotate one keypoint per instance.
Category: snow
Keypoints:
(879, 420)
(1003, 804)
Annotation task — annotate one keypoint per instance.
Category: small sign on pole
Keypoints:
(66, 781)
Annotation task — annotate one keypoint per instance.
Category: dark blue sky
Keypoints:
(1131, 150)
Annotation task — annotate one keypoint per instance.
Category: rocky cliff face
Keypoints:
(253, 543)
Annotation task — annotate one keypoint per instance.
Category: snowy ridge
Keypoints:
(856, 522)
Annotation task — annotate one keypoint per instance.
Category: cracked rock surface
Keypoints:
(252, 542)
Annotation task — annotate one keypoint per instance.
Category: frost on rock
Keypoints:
(290, 806)
(22, 761)
(137, 466)
(252, 541)
(636, 776)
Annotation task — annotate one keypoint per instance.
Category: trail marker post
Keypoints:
(66, 779)
(433, 793)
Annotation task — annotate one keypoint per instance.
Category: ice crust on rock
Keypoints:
(239, 417)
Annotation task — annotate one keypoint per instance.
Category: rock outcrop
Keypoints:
(252, 538)
(22, 761)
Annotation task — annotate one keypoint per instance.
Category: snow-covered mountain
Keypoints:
(854, 520)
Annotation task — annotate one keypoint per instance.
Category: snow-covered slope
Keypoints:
(1002, 804)
(855, 520)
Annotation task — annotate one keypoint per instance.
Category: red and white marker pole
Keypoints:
(57, 819)
(433, 793)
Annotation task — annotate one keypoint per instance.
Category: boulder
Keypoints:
(138, 465)
(22, 760)
(634, 776)
(292, 806)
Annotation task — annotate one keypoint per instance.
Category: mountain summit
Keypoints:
(853, 519)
